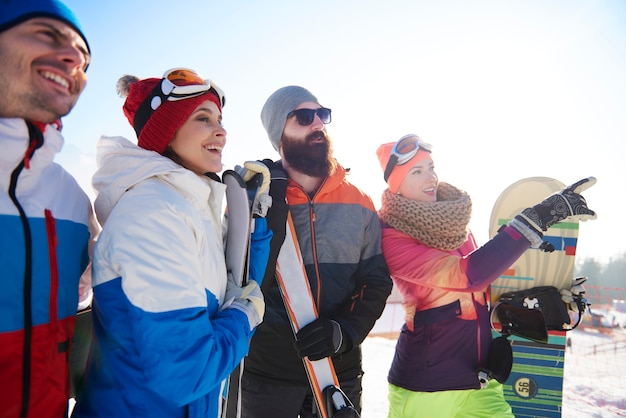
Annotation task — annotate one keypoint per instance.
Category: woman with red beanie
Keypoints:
(442, 275)
(169, 325)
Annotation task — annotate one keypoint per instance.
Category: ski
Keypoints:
(299, 303)
(239, 199)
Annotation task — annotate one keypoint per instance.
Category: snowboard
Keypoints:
(535, 385)
(239, 199)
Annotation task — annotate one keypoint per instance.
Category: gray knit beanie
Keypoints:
(278, 105)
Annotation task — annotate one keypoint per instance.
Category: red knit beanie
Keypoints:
(163, 123)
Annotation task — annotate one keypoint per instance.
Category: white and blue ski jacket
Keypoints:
(46, 223)
(161, 346)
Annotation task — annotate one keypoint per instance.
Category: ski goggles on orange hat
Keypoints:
(305, 117)
(404, 150)
(176, 84)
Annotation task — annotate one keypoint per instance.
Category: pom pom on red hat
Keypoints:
(162, 124)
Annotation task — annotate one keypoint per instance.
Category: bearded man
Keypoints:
(339, 237)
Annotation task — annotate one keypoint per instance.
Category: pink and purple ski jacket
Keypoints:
(446, 335)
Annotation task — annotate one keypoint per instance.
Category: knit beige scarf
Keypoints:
(442, 224)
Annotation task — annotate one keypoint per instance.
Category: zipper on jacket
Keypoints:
(35, 142)
(53, 313)
(357, 297)
(54, 268)
(478, 339)
(311, 199)
(318, 299)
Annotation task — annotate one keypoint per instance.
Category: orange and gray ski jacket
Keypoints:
(339, 236)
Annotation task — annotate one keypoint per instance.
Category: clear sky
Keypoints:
(503, 89)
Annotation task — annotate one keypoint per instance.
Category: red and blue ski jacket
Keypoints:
(339, 236)
(46, 223)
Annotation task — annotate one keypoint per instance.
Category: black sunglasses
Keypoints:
(305, 117)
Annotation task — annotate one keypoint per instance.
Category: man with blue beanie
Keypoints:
(45, 217)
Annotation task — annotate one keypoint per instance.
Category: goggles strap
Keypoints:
(391, 164)
(149, 105)
(220, 96)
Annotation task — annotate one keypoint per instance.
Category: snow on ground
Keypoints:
(594, 381)
(377, 356)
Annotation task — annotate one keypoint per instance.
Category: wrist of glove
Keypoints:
(321, 338)
(262, 199)
(574, 293)
(521, 225)
(249, 301)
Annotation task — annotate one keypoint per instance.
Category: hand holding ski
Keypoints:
(256, 176)
(262, 201)
(247, 299)
(321, 338)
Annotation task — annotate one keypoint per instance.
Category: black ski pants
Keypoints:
(260, 399)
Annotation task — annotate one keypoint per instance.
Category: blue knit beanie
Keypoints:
(14, 12)
(278, 105)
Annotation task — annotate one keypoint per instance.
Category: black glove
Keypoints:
(321, 338)
(559, 206)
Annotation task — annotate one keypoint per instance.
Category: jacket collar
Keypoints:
(14, 136)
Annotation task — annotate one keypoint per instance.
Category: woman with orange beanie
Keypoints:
(442, 275)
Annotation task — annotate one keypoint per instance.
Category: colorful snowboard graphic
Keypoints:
(535, 386)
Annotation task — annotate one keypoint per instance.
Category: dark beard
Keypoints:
(314, 160)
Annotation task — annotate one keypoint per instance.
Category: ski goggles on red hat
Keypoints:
(305, 117)
(176, 84)
(404, 150)
(183, 83)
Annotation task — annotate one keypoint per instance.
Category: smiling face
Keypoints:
(420, 183)
(42, 69)
(198, 143)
